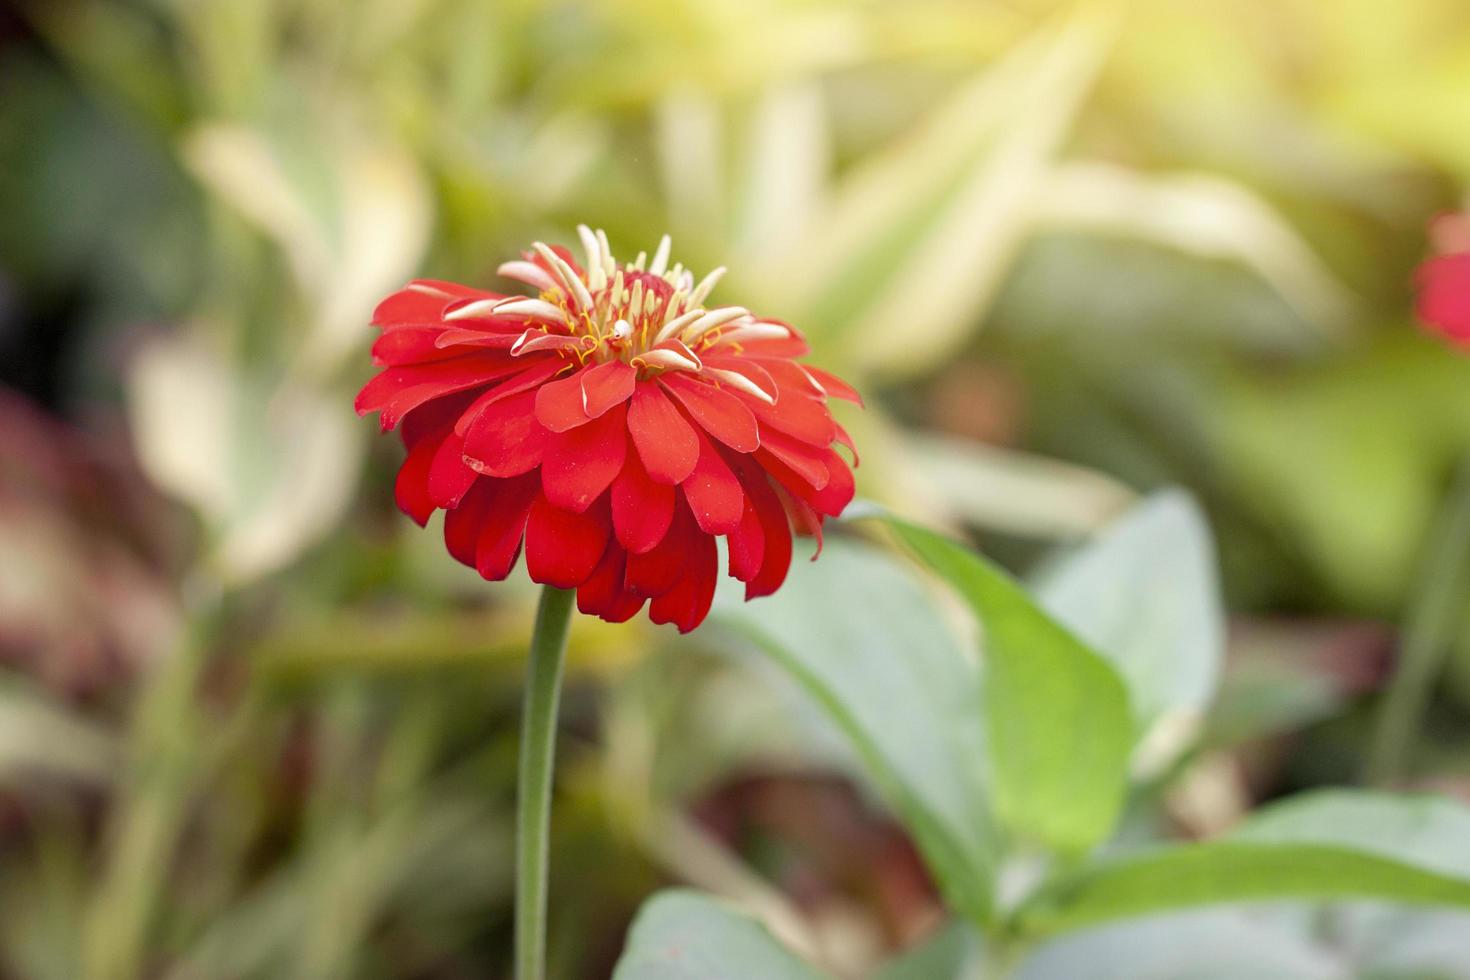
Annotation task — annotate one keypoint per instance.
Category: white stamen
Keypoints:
(569, 277)
(706, 286)
(640, 261)
(676, 326)
(596, 277)
(608, 263)
(535, 309)
(737, 380)
(714, 318)
(661, 256)
(635, 302)
(755, 331)
(675, 274)
(622, 330)
(480, 307)
(672, 360)
(529, 273)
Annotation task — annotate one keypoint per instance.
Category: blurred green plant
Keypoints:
(1191, 259)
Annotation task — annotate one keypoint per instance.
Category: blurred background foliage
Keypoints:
(254, 724)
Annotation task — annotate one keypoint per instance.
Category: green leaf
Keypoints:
(1203, 944)
(1144, 594)
(1056, 712)
(1337, 844)
(955, 951)
(869, 645)
(683, 935)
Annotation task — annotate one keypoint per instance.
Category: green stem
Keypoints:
(538, 749)
(1428, 633)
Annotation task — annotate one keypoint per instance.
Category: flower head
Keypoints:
(1444, 281)
(614, 423)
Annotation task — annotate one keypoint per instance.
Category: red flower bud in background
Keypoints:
(1444, 281)
(613, 425)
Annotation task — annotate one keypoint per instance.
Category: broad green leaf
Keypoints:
(955, 952)
(1330, 845)
(1144, 594)
(1203, 944)
(869, 645)
(683, 935)
(1056, 712)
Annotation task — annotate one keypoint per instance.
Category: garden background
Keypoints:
(1128, 289)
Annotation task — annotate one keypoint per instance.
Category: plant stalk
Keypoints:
(538, 750)
(1428, 632)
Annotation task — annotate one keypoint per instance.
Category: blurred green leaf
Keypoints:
(1144, 594)
(1309, 448)
(1209, 944)
(864, 640)
(40, 738)
(939, 212)
(1332, 844)
(956, 951)
(269, 468)
(683, 935)
(1056, 713)
(1006, 489)
(1206, 216)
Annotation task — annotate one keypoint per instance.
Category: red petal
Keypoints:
(406, 345)
(607, 385)
(423, 301)
(505, 439)
(714, 495)
(504, 526)
(641, 507)
(846, 440)
(563, 547)
(720, 413)
(790, 376)
(449, 477)
(799, 415)
(688, 602)
(603, 595)
(560, 405)
(399, 390)
(776, 554)
(531, 377)
(806, 461)
(655, 571)
(462, 525)
(435, 418)
(747, 545)
(832, 498)
(665, 439)
(804, 520)
(411, 488)
(834, 386)
(1444, 295)
(581, 463)
(755, 373)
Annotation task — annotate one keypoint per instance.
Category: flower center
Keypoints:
(642, 312)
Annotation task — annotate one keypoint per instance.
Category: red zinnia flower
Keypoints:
(613, 424)
(1444, 281)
